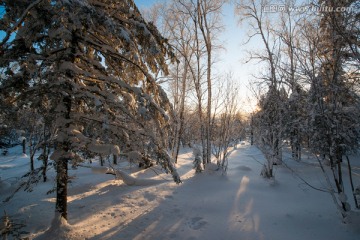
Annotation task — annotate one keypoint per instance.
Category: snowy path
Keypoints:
(241, 205)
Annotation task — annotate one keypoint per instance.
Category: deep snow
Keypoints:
(238, 205)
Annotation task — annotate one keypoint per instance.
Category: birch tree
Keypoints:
(209, 21)
(179, 30)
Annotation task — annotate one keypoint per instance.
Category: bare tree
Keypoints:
(208, 16)
(180, 27)
(227, 124)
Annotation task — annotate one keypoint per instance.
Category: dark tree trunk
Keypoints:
(24, 146)
(101, 160)
(114, 159)
(252, 131)
(295, 145)
(298, 150)
(61, 186)
(45, 156)
(340, 177)
(252, 138)
(335, 162)
(32, 162)
(32, 154)
(62, 166)
(352, 182)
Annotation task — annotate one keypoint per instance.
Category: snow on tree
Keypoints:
(296, 119)
(269, 120)
(334, 104)
(268, 126)
(93, 64)
(197, 159)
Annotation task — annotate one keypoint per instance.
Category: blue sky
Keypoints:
(234, 56)
(2, 12)
(144, 3)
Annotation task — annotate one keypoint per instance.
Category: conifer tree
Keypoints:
(93, 63)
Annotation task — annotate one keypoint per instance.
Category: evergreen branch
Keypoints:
(18, 23)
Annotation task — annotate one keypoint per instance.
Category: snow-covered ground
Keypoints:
(239, 205)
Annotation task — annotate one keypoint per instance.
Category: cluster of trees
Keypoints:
(84, 78)
(78, 76)
(311, 94)
(206, 104)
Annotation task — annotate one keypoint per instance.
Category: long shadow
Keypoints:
(112, 210)
(178, 218)
(113, 201)
(164, 221)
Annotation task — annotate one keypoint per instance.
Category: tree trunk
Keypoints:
(101, 160)
(197, 82)
(252, 130)
(24, 146)
(45, 154)
(61, 186)
(181, 112)
(298, 148)
(203, 24)
(32, 154)
(208, 123)
(62, 165)
(202, 133)
(335, 161)
(32, 162)
(331, 190)
(352, 182)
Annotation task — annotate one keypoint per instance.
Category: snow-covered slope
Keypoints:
(239, 205)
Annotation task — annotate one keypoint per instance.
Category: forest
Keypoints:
(104, 94)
